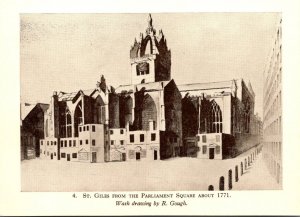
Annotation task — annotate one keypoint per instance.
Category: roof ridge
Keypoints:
(207, 82)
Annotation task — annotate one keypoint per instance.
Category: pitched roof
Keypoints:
(205, 86)
(70, 96)
(153, 86)
(62, 96)
(27, 108)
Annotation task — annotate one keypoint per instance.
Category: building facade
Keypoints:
(272, 100)
(220, 117)
(139, 121)
(32, 129)
(151, 118)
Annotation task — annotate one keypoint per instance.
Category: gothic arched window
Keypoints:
(149, 113)
(247, 117)
(68, 123)
(215, 118)
(99, 111)
(78, 118)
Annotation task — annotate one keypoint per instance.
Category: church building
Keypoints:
(151, 118)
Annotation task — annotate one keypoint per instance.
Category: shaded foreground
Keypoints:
(177, 174)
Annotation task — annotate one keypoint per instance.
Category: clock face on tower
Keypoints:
(142, 68)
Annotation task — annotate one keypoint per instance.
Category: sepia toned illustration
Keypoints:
(201, 111)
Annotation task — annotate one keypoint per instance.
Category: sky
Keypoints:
(69, 52)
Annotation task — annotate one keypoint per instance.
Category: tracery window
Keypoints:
(68, 123)
(215, 118)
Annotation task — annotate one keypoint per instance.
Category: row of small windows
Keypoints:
(48, 153)
(204, 139)
(272, 91)
(274, 148)
(273, 128)
(204, 149)
(275, 107)
(64, 143)
(111, 132)
(142, 72)
(275, 66)
(63, 155)
(49, 142)
(274, 85)
(87, 128)
(113, 142)
(142, 137)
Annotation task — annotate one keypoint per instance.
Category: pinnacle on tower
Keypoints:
(149, 21)
(102, 84)
(150, 29)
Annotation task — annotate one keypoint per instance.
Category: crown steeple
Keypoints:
(150, 56)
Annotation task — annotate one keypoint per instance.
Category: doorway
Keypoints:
(123, 156)
(155, 154)
(137, 155)
(68, 157)
(51, 156)
(94, 157)
(211, 153)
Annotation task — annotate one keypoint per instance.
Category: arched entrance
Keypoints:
(155, 154)
(138, 153)
(211, 153)
(211, 188)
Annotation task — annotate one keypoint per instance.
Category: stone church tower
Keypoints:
(150, 57)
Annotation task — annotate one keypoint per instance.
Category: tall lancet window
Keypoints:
(247, 117)
(68, 123)
(215, 118)
(78, 118)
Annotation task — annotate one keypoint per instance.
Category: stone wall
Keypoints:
(149, 112)
(114, 111)
(88, 110)
(171, 140)
(125, 115)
